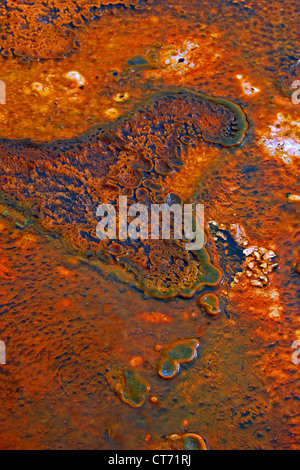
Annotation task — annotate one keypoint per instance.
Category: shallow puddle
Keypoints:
(198, 109)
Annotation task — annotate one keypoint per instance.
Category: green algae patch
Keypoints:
(176, 354)
(193, 442)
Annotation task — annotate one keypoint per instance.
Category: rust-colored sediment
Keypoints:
(66, 322)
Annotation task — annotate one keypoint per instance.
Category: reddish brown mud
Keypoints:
(68, 320)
